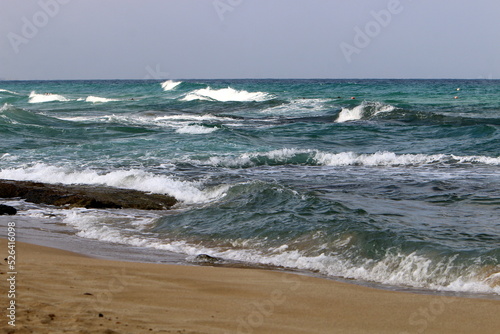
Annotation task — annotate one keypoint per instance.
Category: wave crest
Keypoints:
(195, 129)
(170, 84)
(291, 156)
(97, 99)
(184, 191)
(40, 98)
(225, 95)
(416, 269)
(8, 92)
(363, 111)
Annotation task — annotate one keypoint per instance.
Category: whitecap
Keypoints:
(320, 158)
(170, 84)
(6, 106)
(9, 91)
(195, 129)
(40, 98)
(184, 191)
(225, 95)
(97, 99)
(193, 117)
(299, 106)
(363, 111)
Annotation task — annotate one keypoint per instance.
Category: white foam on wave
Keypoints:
(8, 91)
(97, 99)
(376, 159)
(248, 159)
(364, 110)
(195, 129)
(315, 157)
(393, 159)
(396, 269)
(40, 98)
(299, 106)
(184, 191)
(225, 95)
(93, 224)
(6, 106)
(141, 119)
(193, 117)
(8, 157)
(183, 123)
(170, 84)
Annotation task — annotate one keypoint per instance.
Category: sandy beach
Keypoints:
(63, 292)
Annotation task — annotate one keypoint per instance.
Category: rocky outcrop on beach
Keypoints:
(84, 196)
(7, 210)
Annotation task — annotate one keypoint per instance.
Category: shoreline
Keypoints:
(59, 290)
(54, 234)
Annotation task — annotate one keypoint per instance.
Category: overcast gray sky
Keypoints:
(132, 39)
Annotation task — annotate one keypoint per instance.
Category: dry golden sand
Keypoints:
(63, 292)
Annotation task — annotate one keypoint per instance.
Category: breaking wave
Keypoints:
(184, 191)
(182, 123)
(195, 129)
(8, 91)
(337, 258)
(170, 84)
(47, 97)
(225, 95)
(318, 158)
(97, 99)
(363, 111)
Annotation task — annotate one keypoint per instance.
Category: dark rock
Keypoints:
(7, 210)
(84, 196)
(207, 259)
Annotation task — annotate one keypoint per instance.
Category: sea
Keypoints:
(391, 183)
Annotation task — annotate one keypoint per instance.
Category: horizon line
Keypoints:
(191, 79)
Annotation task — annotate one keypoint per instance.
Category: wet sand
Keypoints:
(63, 292)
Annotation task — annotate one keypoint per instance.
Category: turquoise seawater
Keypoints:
(387, 181)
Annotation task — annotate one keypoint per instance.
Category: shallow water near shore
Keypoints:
(398, 187)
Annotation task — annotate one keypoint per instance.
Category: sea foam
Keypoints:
(170, 84)
(172, 121)
(395, 268)
(363, 111)
(184, 191)
(299, 106)
(40, 98)
(195, 129)
(97, 99)
(225, 95)
(6, 106)
(310, 157)
(8, 91)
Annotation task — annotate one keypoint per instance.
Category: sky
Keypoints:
(212, 39)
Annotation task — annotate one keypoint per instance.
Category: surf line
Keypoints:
(373, 28)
